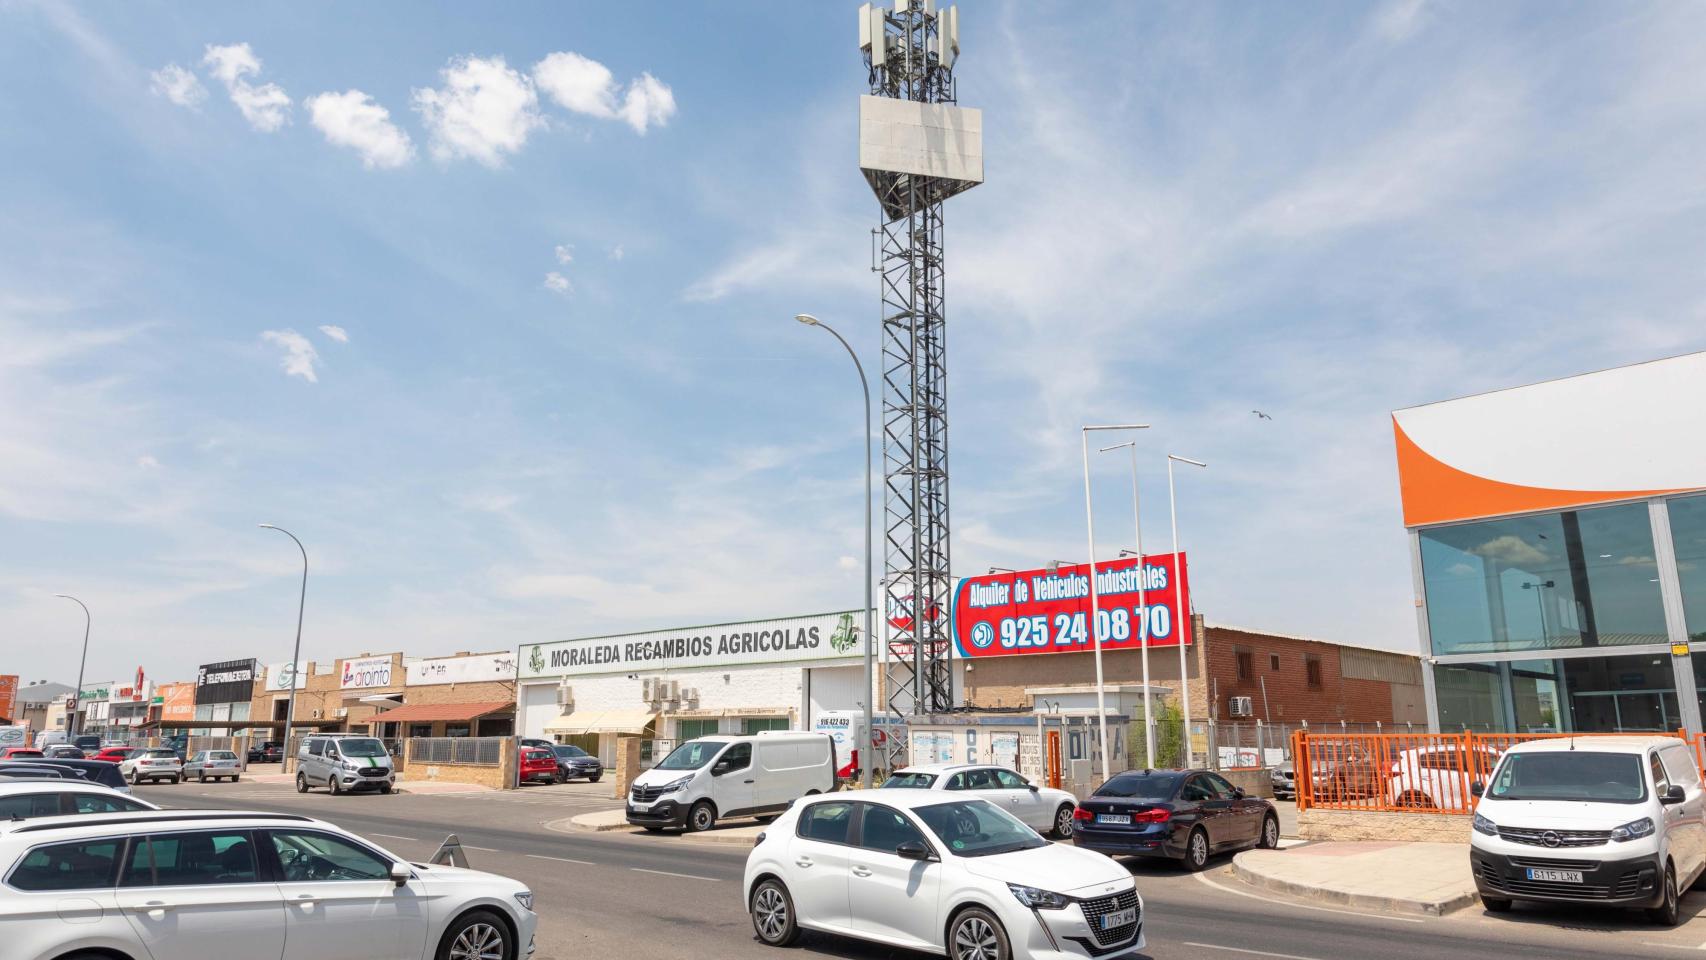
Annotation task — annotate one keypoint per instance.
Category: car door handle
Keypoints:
(749, 781)
(803, 862)
(861, 871)
(306, 900)
(153, 907)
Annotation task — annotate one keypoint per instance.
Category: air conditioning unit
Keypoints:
(565, 696)
(648, 689)
(343, 712)
(674, 690)
(691, 696)
(315, 715)
(1242, 707)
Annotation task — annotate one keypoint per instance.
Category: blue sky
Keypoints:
(563, 393)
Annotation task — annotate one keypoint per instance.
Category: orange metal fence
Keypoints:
(1407, 771)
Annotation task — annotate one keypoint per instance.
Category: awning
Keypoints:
(601, 721)
(435, 712)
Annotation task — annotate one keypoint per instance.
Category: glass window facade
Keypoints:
(1579, 578)
(1688, 534)
(1627, 694)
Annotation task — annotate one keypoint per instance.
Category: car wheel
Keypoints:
(1416, 801)
(1196, 851)
(773, 914)
(1669, 912)
(386, 788)
(201, 778)
(233, 779)
(702, 817)
(594, 778)
(135, 779)
(1496, 904)
(977, 935)
(1063, 822)
(479, 935)
(1270, 833)
(178, 779)
(301, 783)
(332, 785)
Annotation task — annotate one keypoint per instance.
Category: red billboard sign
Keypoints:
(1042, 611)
(9, 696)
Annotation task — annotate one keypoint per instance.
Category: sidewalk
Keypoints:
(404, 785)
(1416, 878)
(744, 833)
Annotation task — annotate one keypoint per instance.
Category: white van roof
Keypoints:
(1599, 744)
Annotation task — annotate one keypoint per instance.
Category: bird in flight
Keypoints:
(1260, 415)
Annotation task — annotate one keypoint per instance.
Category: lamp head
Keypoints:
(806, 319)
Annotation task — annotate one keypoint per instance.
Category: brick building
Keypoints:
(394, 696)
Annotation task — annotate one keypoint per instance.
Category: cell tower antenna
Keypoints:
(917, 148)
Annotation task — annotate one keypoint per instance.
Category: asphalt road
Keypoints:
(613, 895)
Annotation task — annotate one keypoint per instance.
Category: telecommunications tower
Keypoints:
(917, 148)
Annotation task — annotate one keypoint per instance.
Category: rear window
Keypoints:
(828, 822)
(910, 781)
(1145, 786)
(222, 755)
(23, 806)
(85, 865)
(160, 752)
(1571, 775)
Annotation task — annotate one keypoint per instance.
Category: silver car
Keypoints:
(344, 763)
(152, 763)
(208, 765)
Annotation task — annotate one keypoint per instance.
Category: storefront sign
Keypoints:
(226, 682)
(1038, 611)
(8, 696)
(177, 702)
(474, 669)
(280, 675)
(794, 640)
(362, 673)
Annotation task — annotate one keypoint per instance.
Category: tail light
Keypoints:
(1152, 815)
(1079, 813)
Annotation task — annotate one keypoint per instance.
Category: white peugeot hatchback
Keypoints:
(166, 885)
(931, 871)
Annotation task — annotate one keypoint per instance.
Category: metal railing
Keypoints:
(483, 751)
(1422, 772)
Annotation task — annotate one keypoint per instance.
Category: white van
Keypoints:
(707, 779)
(1619, 821)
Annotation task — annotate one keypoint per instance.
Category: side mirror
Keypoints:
(1477, 788)
(1673, 794)
(1034, 788)
(1238, 793)
(400, 873)
(914, 850)
(719, 768)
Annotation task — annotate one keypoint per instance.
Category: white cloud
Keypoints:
(1400, 20)
(353, 119)
(148, 462)
(557, 283)
(483, 112)
(179, 86)
(299, 355)
(565, 254)
(335, 332)
(616, 252)
(266, 107)
(648, 103)
(848, 563)
(577, 83)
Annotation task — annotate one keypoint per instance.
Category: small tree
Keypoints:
(1169, 737)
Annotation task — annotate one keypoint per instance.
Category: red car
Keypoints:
(537, 764)
(19, 753)
(114, 754)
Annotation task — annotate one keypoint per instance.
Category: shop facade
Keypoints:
(465, 695)
(667, 686)
(223, 693)
(1558, 547)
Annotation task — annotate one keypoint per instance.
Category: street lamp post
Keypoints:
(296, 652)
(1095, 602)
(867, 745)
(76, 726)
(1142, 607)
(1178, 604)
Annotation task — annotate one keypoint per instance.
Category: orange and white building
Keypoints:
(1558, 542)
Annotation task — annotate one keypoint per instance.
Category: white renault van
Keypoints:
(707, 779)
(1595, 820)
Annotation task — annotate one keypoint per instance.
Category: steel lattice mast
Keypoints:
(916, 150)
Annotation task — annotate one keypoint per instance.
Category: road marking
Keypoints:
(584, 863)
(469, 846)
(392, 836)
(1304, 906)
(666, 873)
(1254, 953)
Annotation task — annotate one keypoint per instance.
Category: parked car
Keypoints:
(573, 762)
(93, 886)
(1284, 779)
(1343, 770)
(1618, 821)
(88, 744)
(62, 751)
(711, 778)
(343, 763)
(26, 799)
(538, 764)
(1436, 776)
(48, 738)
(536, 742)
(152, 764)
(208, 765)
(269, 752)
(1185, 815)
(20, 753)
(936, 872)
(1043, 809)
(114, 754)
(89, 771)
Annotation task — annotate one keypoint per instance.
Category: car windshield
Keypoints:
(910, 780)
(366, 747)
(568, 750)
(692, 755)
(978, 828)
(1146, 786)
(1570, 775)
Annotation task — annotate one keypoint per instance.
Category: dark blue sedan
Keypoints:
(1184, 815)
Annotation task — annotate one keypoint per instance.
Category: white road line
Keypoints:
(469, 846)
(666, 873)
(1304, 906)
(584, 863)
(392, 836)
(1253, 953)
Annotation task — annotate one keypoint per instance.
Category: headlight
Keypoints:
(1483, 825)
(1634, 830)
(1038, 899)
(525, 898)
(675, 785)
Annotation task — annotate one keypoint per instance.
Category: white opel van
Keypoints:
(1595, 820)
(707, 779)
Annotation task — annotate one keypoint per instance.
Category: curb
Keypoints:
(575, 824)
(1427, 908)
